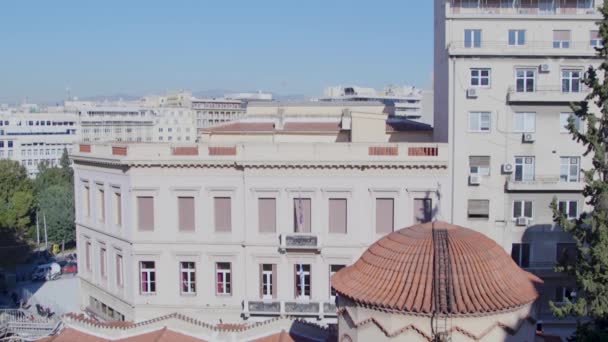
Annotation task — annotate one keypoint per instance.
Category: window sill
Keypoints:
(225, 295)
(186, 294)
(147, 294)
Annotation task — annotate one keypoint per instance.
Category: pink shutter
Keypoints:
(267, 215)
(561, 34)
(223, 218)
(186, 213)
(118, 209)
(384, 215)
(594, 34)
(102, 262)
(88, 255)
(145, 213)
(337, 215)
(306, 215)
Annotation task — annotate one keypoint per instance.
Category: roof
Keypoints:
(471, 274)
(161, 335)
(401, 125)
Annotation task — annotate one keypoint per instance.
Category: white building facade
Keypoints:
(505, 75)
(211, 112)
(246, 225)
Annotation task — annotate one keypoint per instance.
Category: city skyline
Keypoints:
(239, 46)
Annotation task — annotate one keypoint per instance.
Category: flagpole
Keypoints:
(37, 231)
(46, 242)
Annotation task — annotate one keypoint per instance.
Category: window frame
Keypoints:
(560, 43)
(479, 77)
(569, 165)
(522, 209)
(332, 292)
(563, 125)
(526, 122)
(149, 279)
(479, 117)
(226, 282)
(521, 248)
(487, 169)
(187, 284)
(470, 37)
(519, 37)
(571, 80)
(303, 286)
(525, 78)
(267, 284)
(523, 166)
(568, 206)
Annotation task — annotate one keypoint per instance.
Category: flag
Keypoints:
(300, 213)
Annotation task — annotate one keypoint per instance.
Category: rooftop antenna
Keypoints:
(68, 94)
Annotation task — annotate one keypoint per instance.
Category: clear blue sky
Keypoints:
(139, 47)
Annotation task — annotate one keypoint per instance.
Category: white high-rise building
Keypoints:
(505, 75)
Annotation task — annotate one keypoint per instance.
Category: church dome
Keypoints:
(435, 268)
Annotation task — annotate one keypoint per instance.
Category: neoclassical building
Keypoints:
(252, 221)
(436, 282)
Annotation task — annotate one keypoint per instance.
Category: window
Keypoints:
(522, 209)
(117, 208)
(102, 263)
(87, 201)
(480, 77)
(561, 39)
(565, 253)
(594, 39)
(569, 168)
(119, 274)
(333, 269)
(147, 278)
(188, 277)
(301, 215)
(423, 210)
(101, 199)
(267, 215)
(478, 209)
(525, 80)
(222, 214)
(385, 215)
(268, 279)
(337, 215)
(223, 278)
(302, 281)
(479, 121)
(88, 255)
(563, 122)
(145, 213)
(524, 169)
(569, 208)
(517, 37)
(546, 6)
(563, 293)
(571, 81)
(479, 165)
(520, 252)
(472, 38)
(524, 122)
(185, 208)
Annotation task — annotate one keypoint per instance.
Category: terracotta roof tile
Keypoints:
(402, 271)
(284, 336)
(312, 126)
(162, 335)
(242, 127)
(73, 335)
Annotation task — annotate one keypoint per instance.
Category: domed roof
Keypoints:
(437, 268)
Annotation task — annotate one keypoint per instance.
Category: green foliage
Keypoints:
(16, 198)
(590, 230)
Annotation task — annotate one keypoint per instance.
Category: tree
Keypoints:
(590, 230)
(56, 205)
(16, 198)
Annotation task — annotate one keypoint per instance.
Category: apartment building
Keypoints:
(505, 75)
(252, 221)
(32, 137)
(211, 112)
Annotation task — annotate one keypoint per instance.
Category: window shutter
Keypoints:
(481, 161)
(261, 271)
(337, 215)
(528, 209)
(275, 285)
(145, 207)
(267, 215)
(223, 216)
(186, 213)
(594, 34)
(561, 34)
(479, 207)
(384, 215)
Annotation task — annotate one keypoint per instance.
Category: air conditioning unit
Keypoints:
(472, 93)
(528, 137)
(507, 168)
(544, 68)
(474, 179)
(521, 221)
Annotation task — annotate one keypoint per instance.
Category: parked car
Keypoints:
(70, 268)
(47, 272)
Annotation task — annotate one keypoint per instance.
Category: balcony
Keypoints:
(299, 242)
(530, 48)
(318, 309)
(552, 94)
(568, 9)
(544, 183)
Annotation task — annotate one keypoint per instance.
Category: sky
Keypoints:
(144, 47)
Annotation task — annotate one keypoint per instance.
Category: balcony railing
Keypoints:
(300, 241)
(312, 308)
(524, 8)
(547, 94)
(543, 183)
(576, 45)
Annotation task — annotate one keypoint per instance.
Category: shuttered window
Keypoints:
(384, 215)
(223, 214)
(479, 209)
(186, 213)
(267, 215)
(479, 165)
(337, 215)
(145, 213)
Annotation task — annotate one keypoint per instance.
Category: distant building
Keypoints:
(401, 101)
(32, 138)
(250, 97)
(212, 112)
